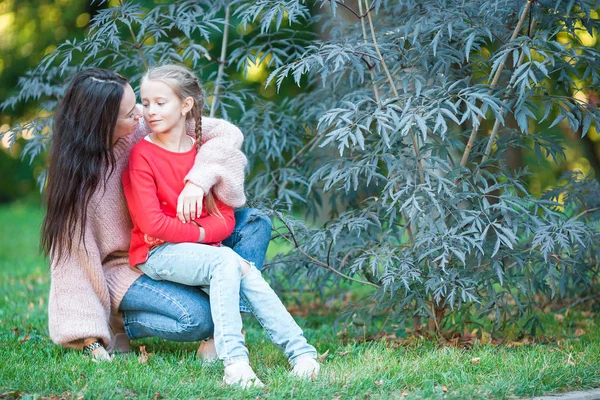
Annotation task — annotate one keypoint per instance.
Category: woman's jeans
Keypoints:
(178, 312)
(221, 269)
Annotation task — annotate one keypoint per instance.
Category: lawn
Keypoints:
(31, 366)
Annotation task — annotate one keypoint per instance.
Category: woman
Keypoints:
(87, 228)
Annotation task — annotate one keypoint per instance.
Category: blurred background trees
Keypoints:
(414, 149)
(28, 31)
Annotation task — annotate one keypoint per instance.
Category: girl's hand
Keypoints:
(189, 202)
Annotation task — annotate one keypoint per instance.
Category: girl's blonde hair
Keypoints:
(184, 84)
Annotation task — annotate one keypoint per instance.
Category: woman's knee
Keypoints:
(196, 321)
(263, 223)
(253, 220)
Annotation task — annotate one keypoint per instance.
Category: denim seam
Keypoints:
(185, 314)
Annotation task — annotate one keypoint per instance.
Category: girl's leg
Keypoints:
(219, 267)
(166, 310)
(251, 235)
(250, 238)
(274, 317)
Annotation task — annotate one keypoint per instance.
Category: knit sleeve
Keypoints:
(79, 302)
(220, 162)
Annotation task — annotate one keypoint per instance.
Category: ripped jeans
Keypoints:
(181, 313)
(220, 268)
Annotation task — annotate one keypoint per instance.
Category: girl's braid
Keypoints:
(197, 113)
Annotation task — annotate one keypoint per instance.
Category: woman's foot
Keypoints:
(241, 373)
(100, 354)
(306, 368)
(119, 342)
(207, 351)
(95, 349)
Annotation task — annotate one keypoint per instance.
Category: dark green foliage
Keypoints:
(394, 143)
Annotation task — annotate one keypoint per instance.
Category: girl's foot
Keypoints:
(241, 373)
(306, 368)
(207, 351)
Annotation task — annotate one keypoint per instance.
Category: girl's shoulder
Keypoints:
(140, 152)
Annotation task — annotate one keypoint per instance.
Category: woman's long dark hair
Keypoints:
(80, 154)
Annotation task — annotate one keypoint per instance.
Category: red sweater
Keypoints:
(152, 182)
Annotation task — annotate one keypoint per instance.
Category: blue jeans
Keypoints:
(179, 312)
(221, 268)
(250, 239)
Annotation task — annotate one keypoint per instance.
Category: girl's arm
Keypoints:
(144, 206)
(217, 229)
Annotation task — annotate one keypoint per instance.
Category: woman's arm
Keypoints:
(79, 301)
(142, 129)
(219, 165)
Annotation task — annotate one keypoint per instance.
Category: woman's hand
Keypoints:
(189, 202)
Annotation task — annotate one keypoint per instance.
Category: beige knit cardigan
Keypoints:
(88, 284)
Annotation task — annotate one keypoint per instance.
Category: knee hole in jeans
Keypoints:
(245, 267)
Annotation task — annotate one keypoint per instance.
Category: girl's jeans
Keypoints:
(178, 312)
(221, 268)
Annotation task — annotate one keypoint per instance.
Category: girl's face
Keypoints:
(164, 111)
(129, 114)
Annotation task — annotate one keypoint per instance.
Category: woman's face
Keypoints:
(129, 114)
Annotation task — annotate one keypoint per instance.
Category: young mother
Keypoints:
(94, 294)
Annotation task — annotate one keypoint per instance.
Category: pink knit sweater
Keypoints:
(87, 286)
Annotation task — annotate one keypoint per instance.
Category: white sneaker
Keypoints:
(207, 351)
(306, 367)
(241, 373)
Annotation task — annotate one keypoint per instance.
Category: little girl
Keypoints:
(164, 248)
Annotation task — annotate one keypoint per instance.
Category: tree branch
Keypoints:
(136, 43)
(221, 62)
(469, 146)
(320, 263)
(395, 91)
(349, 9)
(364, 32)
(492, 139)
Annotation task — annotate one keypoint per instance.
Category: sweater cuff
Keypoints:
(78, 333)
(204, 181)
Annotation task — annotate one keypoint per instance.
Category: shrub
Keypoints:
(396, 130)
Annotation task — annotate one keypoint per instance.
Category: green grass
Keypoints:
(31, 366)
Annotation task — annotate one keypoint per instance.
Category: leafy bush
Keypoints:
(396, 133)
